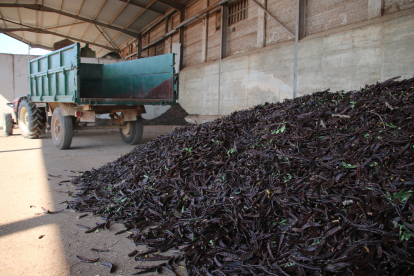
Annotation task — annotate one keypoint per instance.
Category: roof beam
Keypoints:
(139, 13)
(96, 14)
(104, 36)
(42, 8)
(143, 6)
(135, 18)
(172, 4)
(62, 26)
(161, 18)
(28, 43)
(4, 22)
(20, 20)
(156, 21)
(199, 15)
(77, 13)
(57, 21)
(112, 20)
(41, 31)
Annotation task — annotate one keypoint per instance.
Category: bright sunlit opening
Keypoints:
(9, 45)
(38, 51)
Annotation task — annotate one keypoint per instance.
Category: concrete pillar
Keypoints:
(375, 8)
(7, 93)
(224, 29)
(261, 25)
(167, 48)
(204, 40)
(204, 37)
(171, 37)
(182, 37)
(168, 40)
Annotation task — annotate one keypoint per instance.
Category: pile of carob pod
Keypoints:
(318, 185)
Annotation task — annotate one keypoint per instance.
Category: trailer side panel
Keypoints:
(54, 77)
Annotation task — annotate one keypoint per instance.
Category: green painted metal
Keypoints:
(60, 77)
(54, 77)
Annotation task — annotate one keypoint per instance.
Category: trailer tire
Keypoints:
(32, 120)
(75, 124)
(132, 132)
(62, 129)
(8, 124)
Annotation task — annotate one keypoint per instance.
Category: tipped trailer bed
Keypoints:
(73, 89)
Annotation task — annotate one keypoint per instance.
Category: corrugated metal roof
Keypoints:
(121, 39)
(110, 33)
(147, 16)
(71, 6)
(159, 6)
(50, 3)
(90, 7)
(54, 20)
(109, 10)
(126, 16)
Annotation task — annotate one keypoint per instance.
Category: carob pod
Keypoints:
(318, 184)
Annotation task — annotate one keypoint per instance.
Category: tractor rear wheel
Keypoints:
(62, 129)
(131, 133)
(8, 124)
(32, 120)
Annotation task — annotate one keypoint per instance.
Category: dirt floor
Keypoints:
(29, 175)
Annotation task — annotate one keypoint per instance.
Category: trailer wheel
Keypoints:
(8, 124)
(62, 129)
(32, 120)
(131, 133)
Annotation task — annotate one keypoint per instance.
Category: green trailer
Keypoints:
(73, 89)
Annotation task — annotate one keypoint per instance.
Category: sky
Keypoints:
(9, 45)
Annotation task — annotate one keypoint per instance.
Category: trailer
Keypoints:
(67, 91)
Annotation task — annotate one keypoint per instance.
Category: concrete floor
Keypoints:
(27, 178)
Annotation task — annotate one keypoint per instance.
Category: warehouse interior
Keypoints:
(303, 166)
(230, 48)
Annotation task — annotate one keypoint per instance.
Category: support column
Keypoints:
(204, 38)
(223, 46)
(261, 25)
(375, 8)
(182, 18)
(171, 37)
(302, 7)
(139, 46)
(300, 33)
(224, 24)
(149, 41)
(167, 47)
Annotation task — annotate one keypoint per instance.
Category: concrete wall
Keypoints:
(202, 38)
(344, 58)
(245, 35)
(392, 6)
(14, 79)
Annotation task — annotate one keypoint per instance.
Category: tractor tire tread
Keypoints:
(8, 127)
(36, 120)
